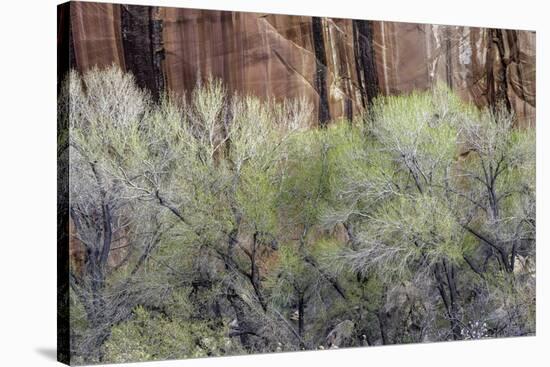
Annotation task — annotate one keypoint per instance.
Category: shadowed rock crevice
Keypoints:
(320, 69)
(365, 61)
(142, 44)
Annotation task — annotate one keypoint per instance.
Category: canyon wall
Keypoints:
(340, 65)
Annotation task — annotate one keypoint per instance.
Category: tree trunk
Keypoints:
(301, 318)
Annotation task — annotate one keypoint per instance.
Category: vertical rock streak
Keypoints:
(499, 51)
(320, 69)
(142, 45)
(364, 61)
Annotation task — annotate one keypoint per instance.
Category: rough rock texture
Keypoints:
(338, 64)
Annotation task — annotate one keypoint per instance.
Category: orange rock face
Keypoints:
(338, 64)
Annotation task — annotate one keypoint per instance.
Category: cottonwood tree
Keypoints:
(498, 170)
(213, 164)
(300, 283)
(204, 170)
(116, 232)
(496, 192)
(403, 194)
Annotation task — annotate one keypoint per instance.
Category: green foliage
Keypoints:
(153, 337)
(242, 231)
(290, 276)
(420, 212)
(305, 182)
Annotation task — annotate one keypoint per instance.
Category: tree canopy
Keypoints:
(216, 224)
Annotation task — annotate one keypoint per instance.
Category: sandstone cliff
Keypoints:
(338, 64)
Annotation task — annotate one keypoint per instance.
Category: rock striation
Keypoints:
(340, 65)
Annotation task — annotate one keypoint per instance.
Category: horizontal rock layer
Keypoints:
(338, 64)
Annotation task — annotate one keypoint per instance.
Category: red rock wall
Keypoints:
(338, 64)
